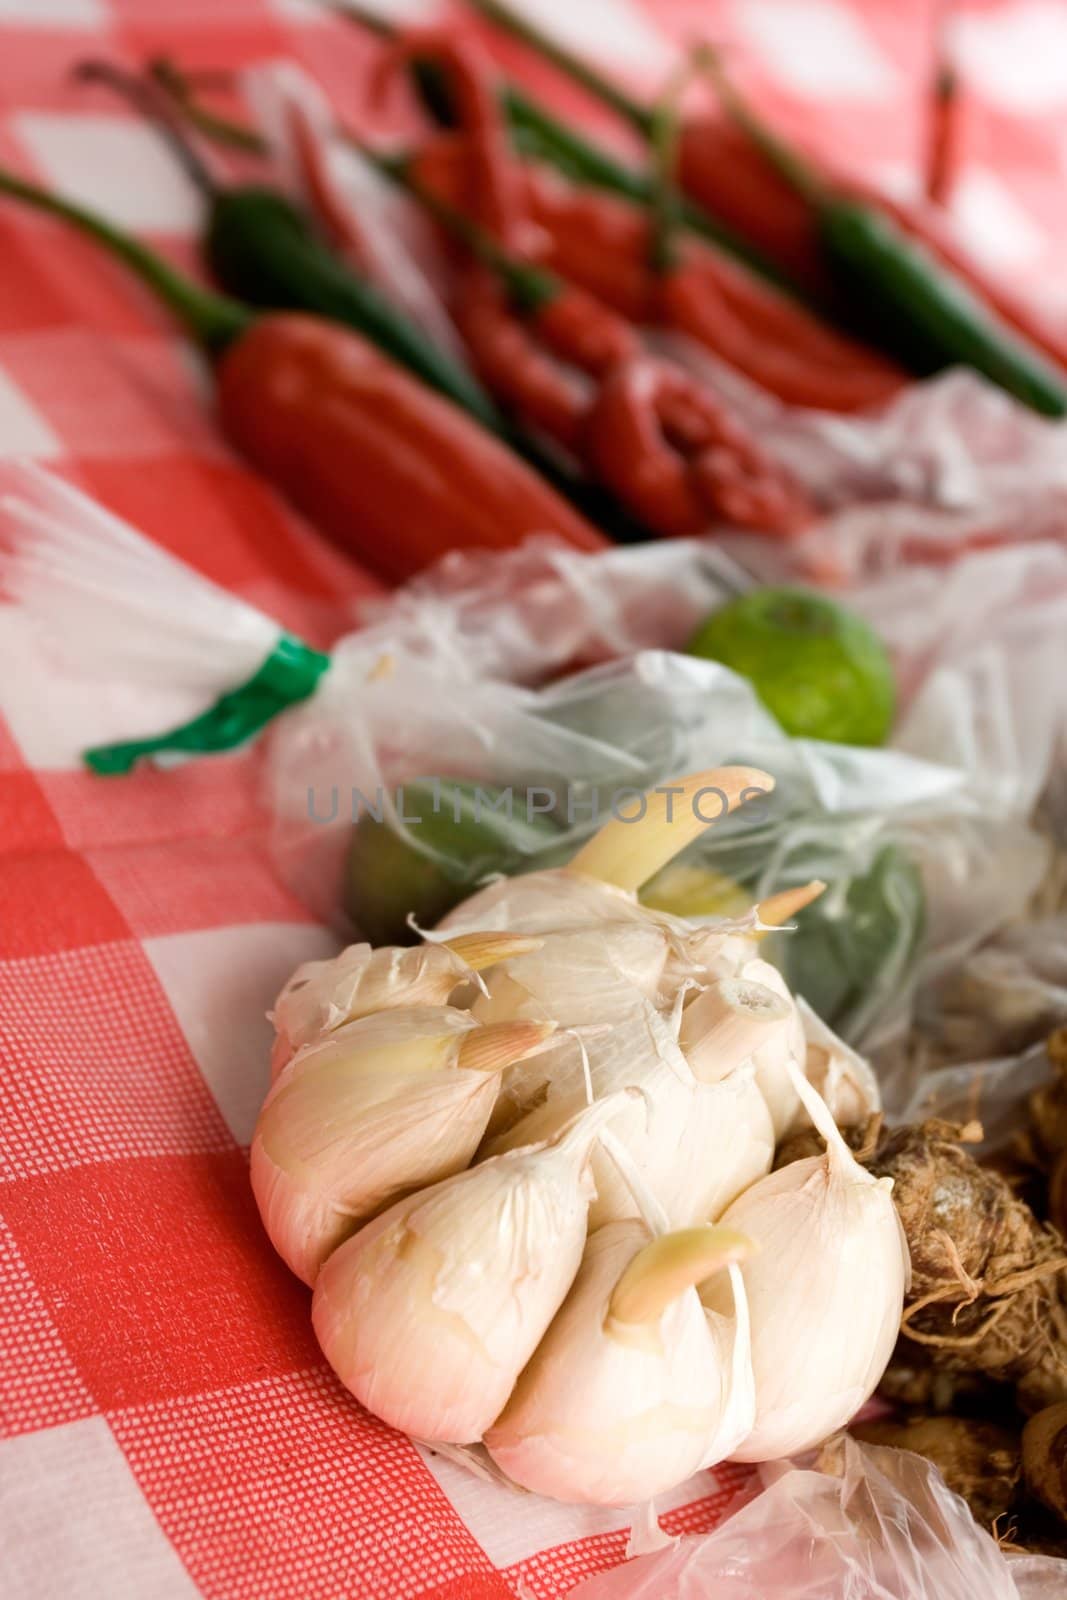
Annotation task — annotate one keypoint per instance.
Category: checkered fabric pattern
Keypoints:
(167, 1425)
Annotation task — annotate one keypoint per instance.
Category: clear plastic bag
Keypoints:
(929, 844)
(950, 465)
(467, 677)
(881, 1526)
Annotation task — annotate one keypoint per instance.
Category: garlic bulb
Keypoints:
(324, 995)
(632, 1388)
(825, 1290)
(696, 1145)
(431, 1311)
(377, 1107)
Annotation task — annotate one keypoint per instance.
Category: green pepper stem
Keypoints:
(148, 100)
(568, 62)
(180, 88)
(362, 16)
(665, 208)
(212, 319)
(530, 287)
(788, 162)
(543, 137)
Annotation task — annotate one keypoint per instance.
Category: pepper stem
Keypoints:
(531, 288)
(212, 319)
(181, 90)
(362, 17)
(568, 62)
(148, 100)
(797, 172)
(665, 136)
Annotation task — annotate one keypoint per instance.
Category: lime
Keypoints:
(821, 670)
(428, 867)
(855, 947)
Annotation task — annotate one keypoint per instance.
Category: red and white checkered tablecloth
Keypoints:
(167, 1425)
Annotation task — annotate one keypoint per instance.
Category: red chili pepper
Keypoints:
(600, 243)
(493, 179)
(683, 458)
(379, 462)
(392, 471)
(524, 376)
(945, 143)
(719, 166)
(543, 364)
(669, 450)
(724, 172)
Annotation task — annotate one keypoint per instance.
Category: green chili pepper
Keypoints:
(265, 251)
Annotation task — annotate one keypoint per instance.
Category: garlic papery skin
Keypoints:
(584, 979)
(785, 1048)
(549, 901)
(431, 1311)
(837, 1072)
(378, 1107)
(578, 976)
(695, 1145)
(324, 995)
(825, 1291)
(627, 1392)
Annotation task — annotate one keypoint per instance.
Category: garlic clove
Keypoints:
(727, 1023)
(324, 995)
(579, 976)
(626, 1393)
(825, 1291)
(430, 1312)
(659, 1272)
(494, 1046)
(697, 1146)
(381, 1106)
(782, 907)
(628, 852)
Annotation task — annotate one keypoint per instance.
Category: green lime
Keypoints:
(821, 670)
(855, 947)
(429, 866)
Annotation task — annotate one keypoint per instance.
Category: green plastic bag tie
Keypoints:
(290, 674)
